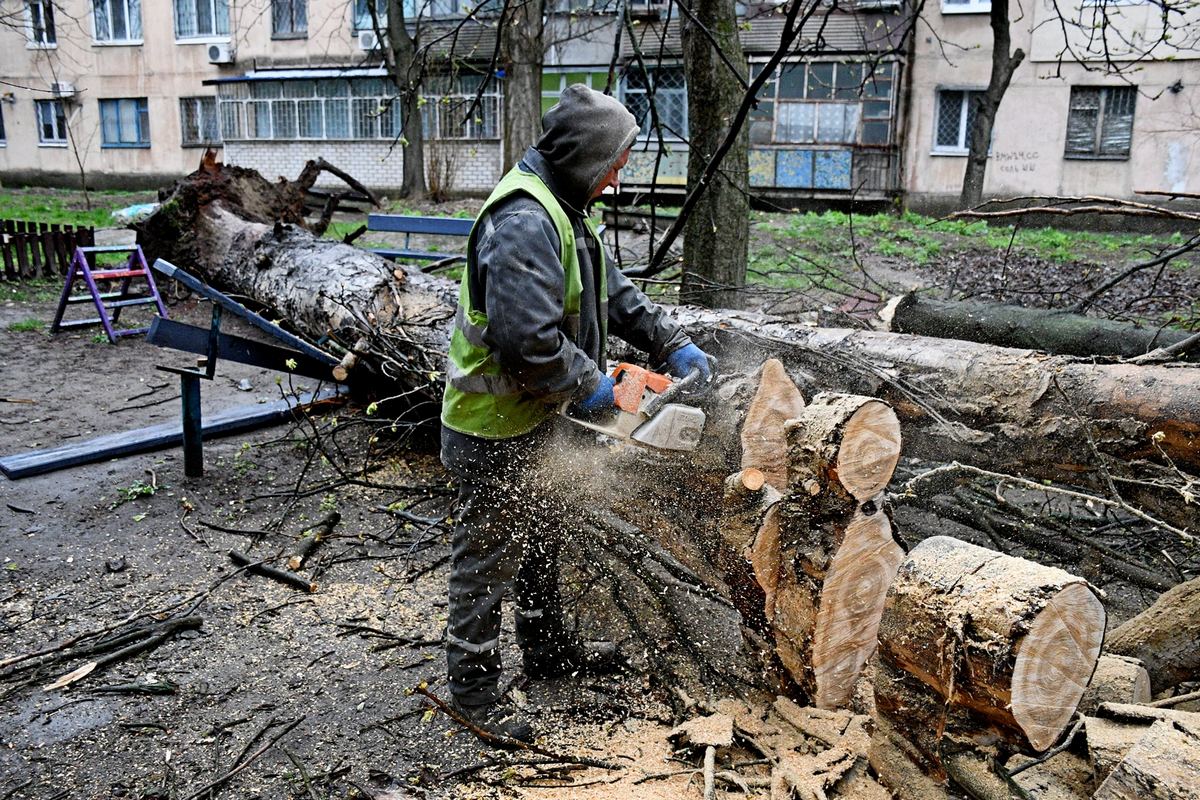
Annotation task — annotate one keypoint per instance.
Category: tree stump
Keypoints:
(977, 646)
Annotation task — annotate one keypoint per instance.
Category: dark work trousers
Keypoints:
(507, 535)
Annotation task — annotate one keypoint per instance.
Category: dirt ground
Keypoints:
(90, 547)
(284, 694)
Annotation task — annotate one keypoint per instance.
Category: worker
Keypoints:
(537, 301)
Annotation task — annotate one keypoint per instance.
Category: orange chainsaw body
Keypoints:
(630, 383)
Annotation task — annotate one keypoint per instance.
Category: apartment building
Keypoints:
(1069, 124)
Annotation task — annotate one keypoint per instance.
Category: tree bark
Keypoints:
(1163, 765)
(1048, 330)
(717, 232)
(1004, 65)
(1164, 637)
(974, 644)
(1117, 679)
(521, 35)
(406, 72)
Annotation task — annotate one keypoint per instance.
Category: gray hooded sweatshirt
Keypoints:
(516, 274)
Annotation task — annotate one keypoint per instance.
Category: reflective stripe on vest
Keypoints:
(480, 398)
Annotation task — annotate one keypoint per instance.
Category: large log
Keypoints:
(1164, 637)
(977, 646)
(1048, 330)
(992, 407)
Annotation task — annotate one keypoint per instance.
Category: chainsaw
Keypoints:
(645, 410)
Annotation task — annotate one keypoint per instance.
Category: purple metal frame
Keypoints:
(135, 267)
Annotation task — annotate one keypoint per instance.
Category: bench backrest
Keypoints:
(431, 226)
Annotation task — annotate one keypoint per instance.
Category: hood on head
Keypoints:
(582, 137)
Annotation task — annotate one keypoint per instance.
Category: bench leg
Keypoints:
(193, 445)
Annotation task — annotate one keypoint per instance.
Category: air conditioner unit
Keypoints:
(62, 89)
(368, 40)
(220, 53)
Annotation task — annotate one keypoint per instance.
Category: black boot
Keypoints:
(501, 718)
(570, 656)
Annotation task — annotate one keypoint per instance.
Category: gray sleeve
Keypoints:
(519, 270)
(643, 323)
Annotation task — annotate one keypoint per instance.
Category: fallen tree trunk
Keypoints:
(1048, 330)
(1048, 416)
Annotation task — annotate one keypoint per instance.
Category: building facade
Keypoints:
(129, 93)
(1102, 104)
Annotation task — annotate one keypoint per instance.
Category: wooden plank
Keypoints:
(194, 339)
(10, 266)
(62, 254)
(49, 260)
(155, 437)
(433, 226)
(35, 250)
(18, 238)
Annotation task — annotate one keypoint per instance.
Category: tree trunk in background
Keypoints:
(521, 37)
(715, 238)
(405, 72)
(1003, 66)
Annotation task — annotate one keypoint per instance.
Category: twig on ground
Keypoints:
(274, 573)
(250, 760)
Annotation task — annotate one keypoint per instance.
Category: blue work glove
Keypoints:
(601, 398)
(688, 358)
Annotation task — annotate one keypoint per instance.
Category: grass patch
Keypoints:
(34, 290)
(67, 207)
(27, 326)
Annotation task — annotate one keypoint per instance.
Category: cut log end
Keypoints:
(870, 450)
(852, 601)
(1055, 663)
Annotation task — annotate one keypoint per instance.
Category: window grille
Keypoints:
(289, 18)
(117, 20)
(955, 120)
(201, 18)
(670, 100)
(356, 108)
(199, 121)
(1100, 121)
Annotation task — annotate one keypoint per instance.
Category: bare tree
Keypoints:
(521, 39)
(714, 250)
(1004, 64)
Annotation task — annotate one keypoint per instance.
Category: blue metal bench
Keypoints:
(425, 226)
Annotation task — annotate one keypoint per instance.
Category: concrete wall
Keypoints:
(1029, 140)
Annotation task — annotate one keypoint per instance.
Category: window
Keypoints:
(555, 83)
(670, 100)
(825, 103)
(124, 123)
(966, 6)
(52, 122)
(355, 108)
(955, 118)
(1100, 122)
(363, 20)
(201, 18)
(448, 101)
(289, 19)
(199, 121)
(117, 20)
(41, 23)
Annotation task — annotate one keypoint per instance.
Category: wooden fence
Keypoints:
(39, 250)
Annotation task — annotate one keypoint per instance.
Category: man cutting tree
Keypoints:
(536, 304)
